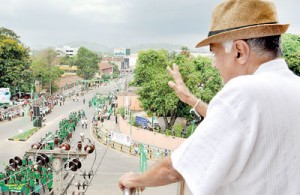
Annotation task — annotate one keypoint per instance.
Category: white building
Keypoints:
(132, 60)
(67, 51)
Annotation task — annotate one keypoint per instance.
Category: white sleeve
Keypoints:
(219, 148)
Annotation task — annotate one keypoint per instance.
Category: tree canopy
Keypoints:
(44, 69)
(157, 98)
(87, 63)
(291, 51)
(14, 62)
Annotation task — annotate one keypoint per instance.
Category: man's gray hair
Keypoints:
(227, 45)
(263, 47)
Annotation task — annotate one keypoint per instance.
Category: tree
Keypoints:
(44, 69)
(291, 51)
(116, 71)
(149, 63)
(185, 51)
(158, 98)
(14, 62)
(87, 63)
(7, 33)
(67, 60)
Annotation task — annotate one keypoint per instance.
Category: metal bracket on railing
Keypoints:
(128, 191)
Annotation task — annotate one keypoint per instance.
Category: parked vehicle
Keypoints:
(146, 124)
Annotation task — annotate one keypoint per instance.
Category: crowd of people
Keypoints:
(30, 177)
(46, 103)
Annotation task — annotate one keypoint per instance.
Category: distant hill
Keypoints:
(108, 50)
(104, 49)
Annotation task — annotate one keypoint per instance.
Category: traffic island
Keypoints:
(24, 136)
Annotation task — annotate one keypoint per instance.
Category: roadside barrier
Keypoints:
(152, 152)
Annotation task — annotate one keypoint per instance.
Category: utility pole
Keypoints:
(58, 165)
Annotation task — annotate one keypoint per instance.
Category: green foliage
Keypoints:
(177, 130)
(121, 111)
(87, 63)
(168, 132)
(157, 97)
(149, 63)
(14, 62)
(189, 130)
(132, 119)
(105, 77)
(7, 33)
(67, 60)
(116, 71)
(44, 69)
(185, 51)
(209, 81)
(26, 135)
(291, 51)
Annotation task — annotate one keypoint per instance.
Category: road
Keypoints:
(108, 165)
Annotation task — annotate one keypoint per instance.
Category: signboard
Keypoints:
(120, 52)
(4, 95)
(120, 138)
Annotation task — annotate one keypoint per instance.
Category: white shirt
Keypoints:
(249, 142)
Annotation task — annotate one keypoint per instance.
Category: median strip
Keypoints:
(24, 136)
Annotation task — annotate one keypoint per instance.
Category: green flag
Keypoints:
(193, 126)
(143, 159)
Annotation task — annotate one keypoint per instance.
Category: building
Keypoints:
(105, 67)
(132, 60)
(66, 51)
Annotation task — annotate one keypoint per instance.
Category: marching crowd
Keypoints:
(46, 104)
(30, 177)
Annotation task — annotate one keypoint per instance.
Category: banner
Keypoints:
(4, 95)
(15, 187)
(120, 138)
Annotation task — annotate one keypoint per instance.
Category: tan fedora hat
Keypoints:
(243, 19)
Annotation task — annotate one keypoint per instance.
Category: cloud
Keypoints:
(118, 22)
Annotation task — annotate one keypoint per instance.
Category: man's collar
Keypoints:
(271, 66)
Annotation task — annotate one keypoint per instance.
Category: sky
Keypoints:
(118, 23)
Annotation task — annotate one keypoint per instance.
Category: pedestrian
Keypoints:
(248, 142)
(82, 122)
(37, 188)
(85, 123)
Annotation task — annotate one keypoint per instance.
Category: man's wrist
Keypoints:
(193, 101)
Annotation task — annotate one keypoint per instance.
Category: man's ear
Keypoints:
(242, 51)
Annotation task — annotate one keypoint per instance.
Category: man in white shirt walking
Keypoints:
(248, 143)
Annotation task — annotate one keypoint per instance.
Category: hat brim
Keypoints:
(264, 30)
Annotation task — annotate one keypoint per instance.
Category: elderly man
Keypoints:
(248, 142)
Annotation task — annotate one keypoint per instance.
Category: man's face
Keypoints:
(223, 61)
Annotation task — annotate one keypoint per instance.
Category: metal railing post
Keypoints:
(128, 191)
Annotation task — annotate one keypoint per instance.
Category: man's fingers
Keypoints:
(172, 84)
(170, 70)
(175, 67)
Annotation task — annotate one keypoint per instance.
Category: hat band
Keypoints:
(211, 33)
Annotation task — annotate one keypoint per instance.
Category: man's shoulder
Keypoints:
(241, 91)
(241, 85)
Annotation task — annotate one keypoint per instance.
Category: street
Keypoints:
(108, 164)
